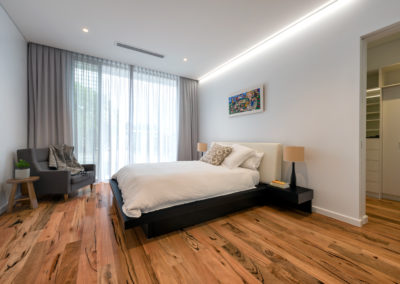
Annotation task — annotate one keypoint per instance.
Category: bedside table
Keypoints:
(300, 197)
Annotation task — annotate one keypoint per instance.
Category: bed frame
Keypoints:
(177, 217)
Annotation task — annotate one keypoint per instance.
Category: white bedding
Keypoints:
(150, 187)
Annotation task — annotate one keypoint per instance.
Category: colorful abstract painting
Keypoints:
(246, 102)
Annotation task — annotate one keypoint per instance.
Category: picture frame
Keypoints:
(247, 101)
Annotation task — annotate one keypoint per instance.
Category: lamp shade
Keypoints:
(293, 154)
(201, 147)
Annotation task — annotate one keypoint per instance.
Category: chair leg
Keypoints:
(66, 197)
(91, 187)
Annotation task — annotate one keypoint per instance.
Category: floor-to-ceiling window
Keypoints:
(155, 116)
(123, 114)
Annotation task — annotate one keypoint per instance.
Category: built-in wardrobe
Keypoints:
(383, 132)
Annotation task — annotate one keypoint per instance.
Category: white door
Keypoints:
(391, 142)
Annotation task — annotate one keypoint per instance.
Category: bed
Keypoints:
(171, 212)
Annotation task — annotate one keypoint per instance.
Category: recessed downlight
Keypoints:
(85, 30)
(185, 59)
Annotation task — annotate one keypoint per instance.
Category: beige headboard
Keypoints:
(271, 164)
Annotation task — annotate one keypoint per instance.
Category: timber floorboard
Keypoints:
(81, 241)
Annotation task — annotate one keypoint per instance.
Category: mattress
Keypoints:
(150, 187)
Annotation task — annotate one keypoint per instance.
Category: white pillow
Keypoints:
(238, 156)
(253, 163)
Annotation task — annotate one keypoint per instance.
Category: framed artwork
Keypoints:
(247, 102)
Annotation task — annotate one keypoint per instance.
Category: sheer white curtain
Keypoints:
(101, 113)
(86, 93)
(155, 116)
(122, 114)
(114, 119)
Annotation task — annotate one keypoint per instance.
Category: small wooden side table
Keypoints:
(31, 190)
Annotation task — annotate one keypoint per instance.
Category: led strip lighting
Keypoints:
(234, 61)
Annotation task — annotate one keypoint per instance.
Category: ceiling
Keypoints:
(207, 32)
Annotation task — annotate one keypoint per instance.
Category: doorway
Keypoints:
(380, 116)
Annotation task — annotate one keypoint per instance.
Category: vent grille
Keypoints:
(139, 50)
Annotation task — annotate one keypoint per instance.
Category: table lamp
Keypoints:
(293, 154)
(201, 147)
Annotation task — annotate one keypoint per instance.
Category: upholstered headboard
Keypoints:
(271, 164)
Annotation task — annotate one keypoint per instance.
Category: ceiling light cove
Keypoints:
(294, 27)
(85, 30)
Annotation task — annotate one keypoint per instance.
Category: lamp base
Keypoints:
(293, 177)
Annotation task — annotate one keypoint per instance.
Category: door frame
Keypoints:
(364, 40)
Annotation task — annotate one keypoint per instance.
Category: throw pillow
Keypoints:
(253, 162)
(239, 154)
(216, 155)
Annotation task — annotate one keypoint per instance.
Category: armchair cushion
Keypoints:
(44, 166)
(59, 177)
(41, 155)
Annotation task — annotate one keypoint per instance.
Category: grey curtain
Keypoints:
(188, 120)
(51, 100)
(49, 109)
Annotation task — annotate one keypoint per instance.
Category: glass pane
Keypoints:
(86, 111)
(114, 127)
(155, 118)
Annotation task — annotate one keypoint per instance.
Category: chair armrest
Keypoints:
(54, 181)
(89, 167)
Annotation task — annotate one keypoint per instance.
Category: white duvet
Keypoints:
(150, 187)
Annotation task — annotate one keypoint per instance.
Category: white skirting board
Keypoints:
(341, 217)
(383, 196)
(390, 197)
(3, 208)
(374, 195)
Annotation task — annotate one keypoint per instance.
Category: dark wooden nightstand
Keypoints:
(300, 197)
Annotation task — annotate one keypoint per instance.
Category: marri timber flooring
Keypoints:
(80, 241)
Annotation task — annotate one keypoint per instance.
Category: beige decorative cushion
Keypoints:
(216, 155)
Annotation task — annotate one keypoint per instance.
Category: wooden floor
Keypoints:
(80, 241)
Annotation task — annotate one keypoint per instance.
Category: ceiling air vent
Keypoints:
(139, 50)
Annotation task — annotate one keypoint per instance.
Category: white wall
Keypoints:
(312, 81)
(13, 100)
(384, 55)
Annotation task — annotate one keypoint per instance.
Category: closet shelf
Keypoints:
(368, 120)
(374, 90)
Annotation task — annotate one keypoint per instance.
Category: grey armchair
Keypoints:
(55, 181)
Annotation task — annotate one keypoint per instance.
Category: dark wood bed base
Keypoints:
(177, 217)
